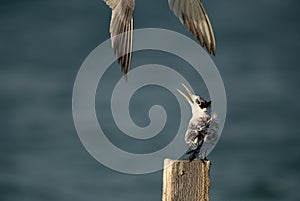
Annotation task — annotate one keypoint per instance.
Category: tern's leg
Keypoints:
(192, 155)
(204, 160)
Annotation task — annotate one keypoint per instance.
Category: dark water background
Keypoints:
(42, 45)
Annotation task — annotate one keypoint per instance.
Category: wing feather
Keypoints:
(193, 15)
(121, 30)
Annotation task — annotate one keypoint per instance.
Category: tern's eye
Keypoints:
(197, 101)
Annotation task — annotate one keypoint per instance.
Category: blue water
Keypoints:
(42, 46)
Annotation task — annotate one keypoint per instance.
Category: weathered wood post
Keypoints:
(186, 181)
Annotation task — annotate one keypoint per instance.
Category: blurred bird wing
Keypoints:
(122, 23)
(193, 15)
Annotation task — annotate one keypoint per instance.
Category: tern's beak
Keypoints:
(189, 99)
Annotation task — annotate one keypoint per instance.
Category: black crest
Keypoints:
(205, 104)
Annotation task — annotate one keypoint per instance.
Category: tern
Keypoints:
(190, 12)
(202, 132)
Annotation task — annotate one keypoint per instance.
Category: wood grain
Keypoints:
(186, 181)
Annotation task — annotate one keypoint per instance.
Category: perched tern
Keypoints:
(202, 132)
(190, 12)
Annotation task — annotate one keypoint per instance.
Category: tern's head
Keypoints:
(199, 106)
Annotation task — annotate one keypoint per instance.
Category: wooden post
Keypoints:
(186, 181)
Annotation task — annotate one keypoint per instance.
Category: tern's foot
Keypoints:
(204, 160)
